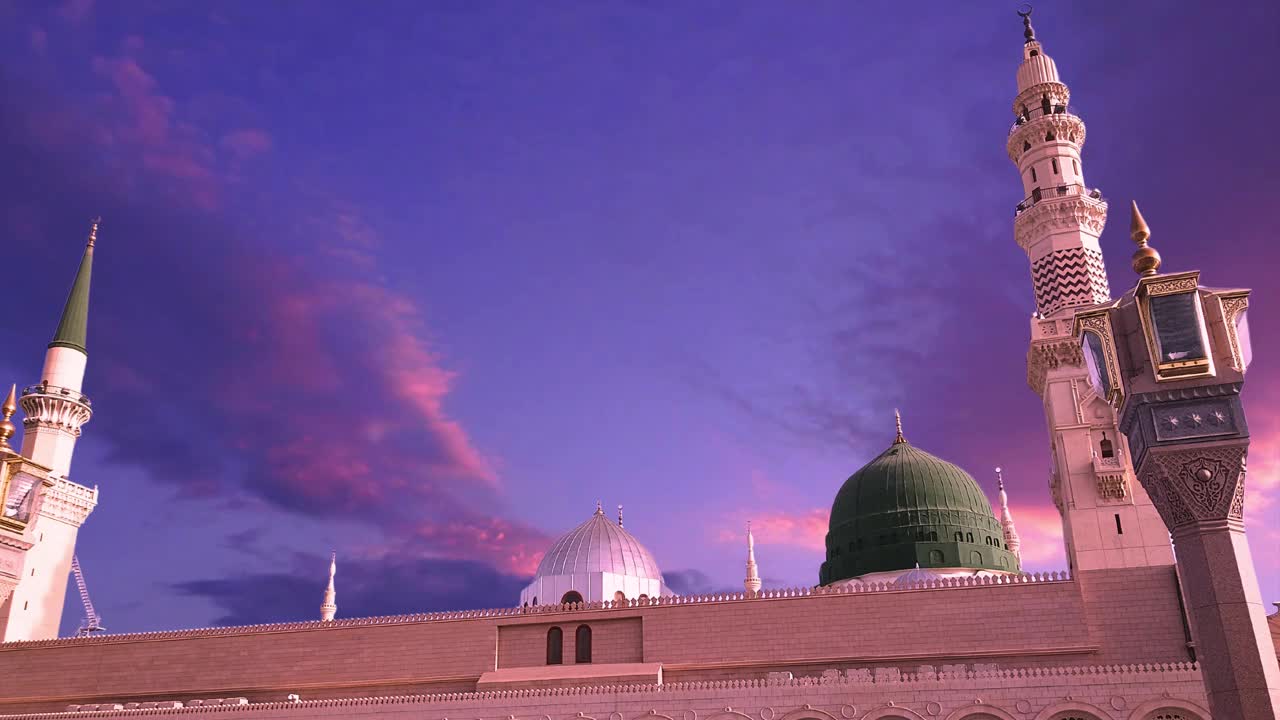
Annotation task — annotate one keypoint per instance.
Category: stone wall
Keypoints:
(1167, 692)
(1127, 616)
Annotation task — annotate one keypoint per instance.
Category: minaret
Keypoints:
(1108, 520)
(55, 410)
(329, 608)
(1012, 542)
(752, 581)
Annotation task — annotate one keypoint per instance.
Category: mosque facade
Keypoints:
(921, 609)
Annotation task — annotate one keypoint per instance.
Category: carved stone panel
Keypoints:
(1196, 484)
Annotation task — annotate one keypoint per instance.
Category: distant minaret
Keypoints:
(1107, 519)
(55, 409)
(1012, 542)
(329, 608)
(752, 582)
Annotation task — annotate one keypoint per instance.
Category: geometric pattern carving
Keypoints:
(1112, 487)
(1069, 277)
(1196, 484)
(1045, 356)
(69, 502)
(1064, 126)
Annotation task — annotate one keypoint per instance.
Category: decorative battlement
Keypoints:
(69, 502)
(53, 406)
(515, 612)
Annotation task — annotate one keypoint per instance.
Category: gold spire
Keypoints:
(6, 411)
(1146, 261)
(599, 508)
(93, 230)
(897, 416)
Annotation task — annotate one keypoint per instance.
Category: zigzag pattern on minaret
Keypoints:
(1069, 277)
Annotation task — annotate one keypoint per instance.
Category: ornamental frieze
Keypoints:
(1064, 127)
(1058, 94)
(1052, 215)
(1045, 356)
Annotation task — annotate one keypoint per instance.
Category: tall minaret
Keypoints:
(1108, 520)
(752, 582)
(1011, 540)
(329, 608)
(55, 409)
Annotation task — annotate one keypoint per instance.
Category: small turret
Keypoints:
(329, 608)
(752, 582)
(1012, 542)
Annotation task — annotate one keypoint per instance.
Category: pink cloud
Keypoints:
(1040, 530)
(511, 547)
(246, 143)
(807, 529)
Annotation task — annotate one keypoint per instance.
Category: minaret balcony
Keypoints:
(1040, 195)
(1040, 111)
(61, 407)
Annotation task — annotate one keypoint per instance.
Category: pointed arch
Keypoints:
(893, 713)
(979, 712)
(808, 713)
(1079, 709)
(1152, 709)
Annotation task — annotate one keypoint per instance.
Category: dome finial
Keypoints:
(1146, 261)
(619, 514)
(599, 508)
(6, 411)
(1028, 32)
(897, 416)
(999, 479)
(93, 230)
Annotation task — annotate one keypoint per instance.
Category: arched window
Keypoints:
(959, 537)
(933, 536)
(1055, 166)
(1106, 448)
(573, 596)
(968, 537)
(582, 645)
(976, 558)
(555, 646)
(1033, 176)
(535, 599)
(1075, 164)
(935, 557)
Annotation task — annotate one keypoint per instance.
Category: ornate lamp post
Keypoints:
(1171, 356)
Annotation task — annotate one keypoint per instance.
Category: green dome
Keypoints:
(907, 507)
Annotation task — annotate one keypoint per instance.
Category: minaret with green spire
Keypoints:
(54, 410)
(73, 327)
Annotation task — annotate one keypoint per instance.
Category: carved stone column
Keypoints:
(1199, 491)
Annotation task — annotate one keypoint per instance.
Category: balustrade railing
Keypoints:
(1039, 112)
(1051, 193)
(54, 390)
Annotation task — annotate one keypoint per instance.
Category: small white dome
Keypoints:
(599, 545)
(597, 560)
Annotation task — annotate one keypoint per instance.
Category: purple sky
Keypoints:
(422, 283)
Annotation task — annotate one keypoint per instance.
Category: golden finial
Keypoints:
(6, 411)
(1146, 261)
(619, 516)
(93, 230)
(897, 416)
(599, 508)
(1028, 32)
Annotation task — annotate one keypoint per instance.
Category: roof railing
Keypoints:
(1039, 195)
(45, 388)
(1041, 111)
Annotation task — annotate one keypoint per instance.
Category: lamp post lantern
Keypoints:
(1170, 355)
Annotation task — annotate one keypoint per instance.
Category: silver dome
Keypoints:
(599, 545)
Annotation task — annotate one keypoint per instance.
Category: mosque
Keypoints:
(921, 610)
